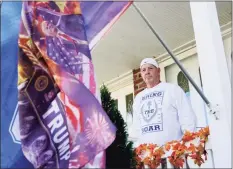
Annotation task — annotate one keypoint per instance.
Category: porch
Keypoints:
(117, 57)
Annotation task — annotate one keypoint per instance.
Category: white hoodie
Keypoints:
(161, 114)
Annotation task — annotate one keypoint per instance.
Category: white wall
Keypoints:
(121, 96)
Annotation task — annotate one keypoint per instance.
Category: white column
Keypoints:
(215, 77)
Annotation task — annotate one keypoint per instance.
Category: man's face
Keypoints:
(49, 29)
(150, 74)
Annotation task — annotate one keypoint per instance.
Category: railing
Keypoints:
(188, 161)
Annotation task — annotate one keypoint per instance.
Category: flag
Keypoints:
(99, 17)
(53, 56)
(61, 122)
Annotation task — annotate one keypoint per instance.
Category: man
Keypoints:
(161, 112)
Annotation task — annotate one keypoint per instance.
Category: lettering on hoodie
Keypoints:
(151, 112)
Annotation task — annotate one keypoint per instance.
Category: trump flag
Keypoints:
(58, 122)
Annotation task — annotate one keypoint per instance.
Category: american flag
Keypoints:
(73, 61)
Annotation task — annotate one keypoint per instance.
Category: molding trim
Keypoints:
(121, 81)
(226, 33)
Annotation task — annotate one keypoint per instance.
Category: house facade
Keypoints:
(207, 57)
(131, 83)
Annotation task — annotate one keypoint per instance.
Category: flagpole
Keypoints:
(176, 61)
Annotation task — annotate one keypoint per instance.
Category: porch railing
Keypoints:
(188, 162)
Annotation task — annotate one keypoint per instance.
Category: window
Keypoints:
(183, 82)
(129, 103)
(129, 109)
(116, 103)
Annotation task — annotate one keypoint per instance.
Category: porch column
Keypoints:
(215, 78)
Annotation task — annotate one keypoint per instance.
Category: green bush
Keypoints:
(120, 153)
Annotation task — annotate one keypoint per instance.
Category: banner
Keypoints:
(52, 56)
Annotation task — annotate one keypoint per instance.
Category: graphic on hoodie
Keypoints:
(151, 112)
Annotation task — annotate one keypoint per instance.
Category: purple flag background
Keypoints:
(100, 16)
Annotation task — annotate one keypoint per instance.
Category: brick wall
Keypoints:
(139, 85)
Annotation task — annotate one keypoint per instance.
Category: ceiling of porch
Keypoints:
(130, 39)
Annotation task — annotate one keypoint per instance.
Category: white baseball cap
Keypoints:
(150, 61)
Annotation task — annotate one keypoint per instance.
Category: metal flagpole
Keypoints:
(177, 62)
